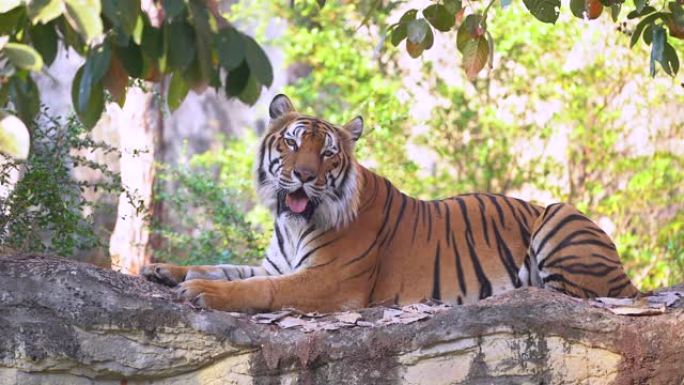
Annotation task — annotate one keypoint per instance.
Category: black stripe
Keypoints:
(485, 285)
(459, 266)
(614, 291)
(524, 232)
(558, 227)
(415, 220)
(281, 245)
(436, 290)
(499, 210)
(506, 257)
(563, 280)
(428, 211)
(274, 265)
(308, 254)
(399, 216)
(482, 218)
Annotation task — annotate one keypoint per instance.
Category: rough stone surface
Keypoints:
(64, 322)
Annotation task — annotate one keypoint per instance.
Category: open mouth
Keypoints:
(298, 203)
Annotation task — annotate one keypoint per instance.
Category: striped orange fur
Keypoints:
(346, 238)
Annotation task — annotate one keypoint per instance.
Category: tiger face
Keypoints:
(306, 169)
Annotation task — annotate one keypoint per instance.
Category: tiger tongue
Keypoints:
(296, 202)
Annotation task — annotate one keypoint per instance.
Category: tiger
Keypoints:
(345, 238)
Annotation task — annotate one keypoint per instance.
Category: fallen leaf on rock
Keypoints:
(348, 317)
(615, 301)
(290, 322)
(269, 318)
(626, 310)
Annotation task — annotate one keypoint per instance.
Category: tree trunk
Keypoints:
(64, 322)
(140, 137)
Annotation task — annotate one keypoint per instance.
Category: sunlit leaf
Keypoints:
(14, 136)
(23, 56)
(475, 53)
(546, 11)
(84, 17)
(470, 29)
(398, 34)
(6, 5)
(44, 11)
(178, 89)
(615, 11)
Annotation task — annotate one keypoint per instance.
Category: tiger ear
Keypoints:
(280, 105)
(355, 127)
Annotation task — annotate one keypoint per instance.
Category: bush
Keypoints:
(46, 212)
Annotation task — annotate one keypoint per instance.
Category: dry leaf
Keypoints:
(347, 317)
(269, 318)
(290, 322)
(625, 310)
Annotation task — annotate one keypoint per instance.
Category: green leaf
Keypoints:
(131, 59)
(23, 56)
(429, 40)
(152, 42)
(453, 6)
(577, 7)
(439, 17)
(475, 53)
(250, 94)
(546, 11)
(44, 11)
(259, 65)
(236, 80)
(645, 11)
(398, 34)
(640, 4)
(671, 60)
(615, 11)
(84, 17)
(178, 89)
(95, 104)
(173, 8)
(94, 70)
(122, 14)
(417, 30)
(9, 21)
(648, 34)
(642, 24)
(44, 39)
(408, 16)
(181, 45)
(14, 136)
(321, 3)
(657, 48)
(7, 5)
(230, 47)
(25, 97)
(203, 35)
(469, 30)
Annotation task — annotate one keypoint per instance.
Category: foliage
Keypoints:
(208, 224)
(476, 44)
(562, 127)
(187, 39)
(45, 212)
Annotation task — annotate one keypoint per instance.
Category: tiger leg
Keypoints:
(571, 254)
(172, 275)
(304, 290)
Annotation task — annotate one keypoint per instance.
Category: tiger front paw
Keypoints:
(165, 273)
(207, 294)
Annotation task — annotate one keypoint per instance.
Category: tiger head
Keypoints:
(306, 170)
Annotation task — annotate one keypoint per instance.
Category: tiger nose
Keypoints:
(304, 174)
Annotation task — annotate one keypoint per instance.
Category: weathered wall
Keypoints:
(64, 322)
